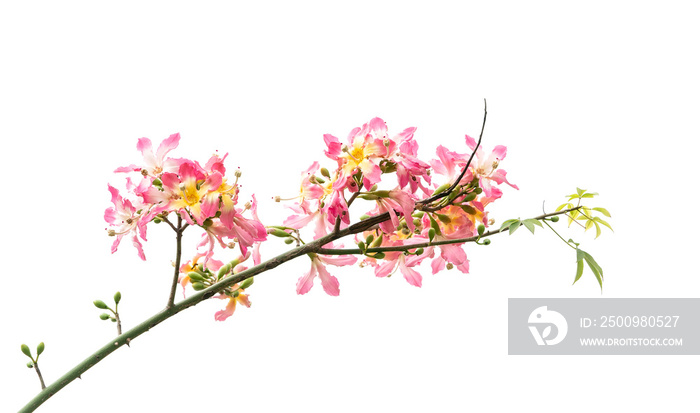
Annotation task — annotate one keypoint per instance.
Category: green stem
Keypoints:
(348, 251)
(178, 255)
(193, 300)
(38, 372)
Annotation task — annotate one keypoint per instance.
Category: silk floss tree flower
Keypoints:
(128, 220)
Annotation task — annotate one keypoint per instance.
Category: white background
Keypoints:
(600, 95)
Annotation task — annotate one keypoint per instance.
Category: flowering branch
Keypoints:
(416, 220)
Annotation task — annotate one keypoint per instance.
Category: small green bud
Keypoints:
(195, 276)
(104, 316)
(364, 217)
(117, 297)
(444, 218)
(431, 234)
(39, 349)
(468, 209)
(236, 294)
(361, 246)
(319, 180)
(470, 197)
(198, 286)
(288, 241)
(278, 233)
(325, 173)
(114, 320)
(377, 242)
(157, 221)
(374, 188)
(418, 214)
(419, 251)
(487, 241)
(100, 304)
(225, 269)
(157, 182)
(478, 190)
(379, 255)
(416, 222)
(441, 188)
(26, 351)
(480, 229)
(381, 194)
(369, 239)
(207, 223)
(30, 364)
(554, 219)
(247, 283)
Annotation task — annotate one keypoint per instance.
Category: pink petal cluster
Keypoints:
(362, 161)
(201, 195)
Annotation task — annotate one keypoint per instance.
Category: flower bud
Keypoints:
(441, 188)
(554, 219)
(470, 197)
(195, 276)
(104, 316)
(420, 251)
(449, 266)
(238, 173)
(207, 223)
(225, 269)
(361, 246)
(278, 233)
(26, 351)
(288, 241)
(431, 234)
(487, 241)
(246, 283)
(478, 190)
(117, 297)
(30, 365)
(39, 349)
(377, 242)
(364, 217)
(157, 221)
(369, 239)
(325, 173)
(198, 286)
(480, 229)
(444, 218)
(100, 304)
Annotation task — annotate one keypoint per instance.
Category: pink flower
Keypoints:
(155, 164)
(485, 167)
(127, 218)
(330, 283)
(400, 201)
(238, 297)
(399, 261)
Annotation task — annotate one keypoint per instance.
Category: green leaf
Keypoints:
(597, 229)
(589, 195)
(563, 206)
(593, 265)
(580, 191)
(530, 224)
(599, 220)
(589, 225)
(579, 270)
(514, 226)
(507, 224)
(602, 211)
